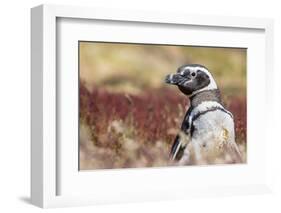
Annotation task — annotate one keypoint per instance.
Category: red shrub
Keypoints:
(153, 114)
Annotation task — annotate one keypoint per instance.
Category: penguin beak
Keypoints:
(175, 79)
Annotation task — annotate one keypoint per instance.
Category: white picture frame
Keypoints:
(53, 182)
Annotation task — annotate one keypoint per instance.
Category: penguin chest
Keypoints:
(212, 131)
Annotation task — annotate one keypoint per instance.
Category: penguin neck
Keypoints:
(203, 96)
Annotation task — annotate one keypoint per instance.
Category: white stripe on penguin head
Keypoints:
(212, 85)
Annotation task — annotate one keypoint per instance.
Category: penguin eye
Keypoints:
(193, 74)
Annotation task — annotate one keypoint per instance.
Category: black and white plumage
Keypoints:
(207, 132)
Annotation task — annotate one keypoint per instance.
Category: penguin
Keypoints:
(207, 133)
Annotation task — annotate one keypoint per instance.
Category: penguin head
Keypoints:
(191, 79)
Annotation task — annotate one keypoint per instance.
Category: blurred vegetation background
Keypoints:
(133, 68)
(129, 116)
